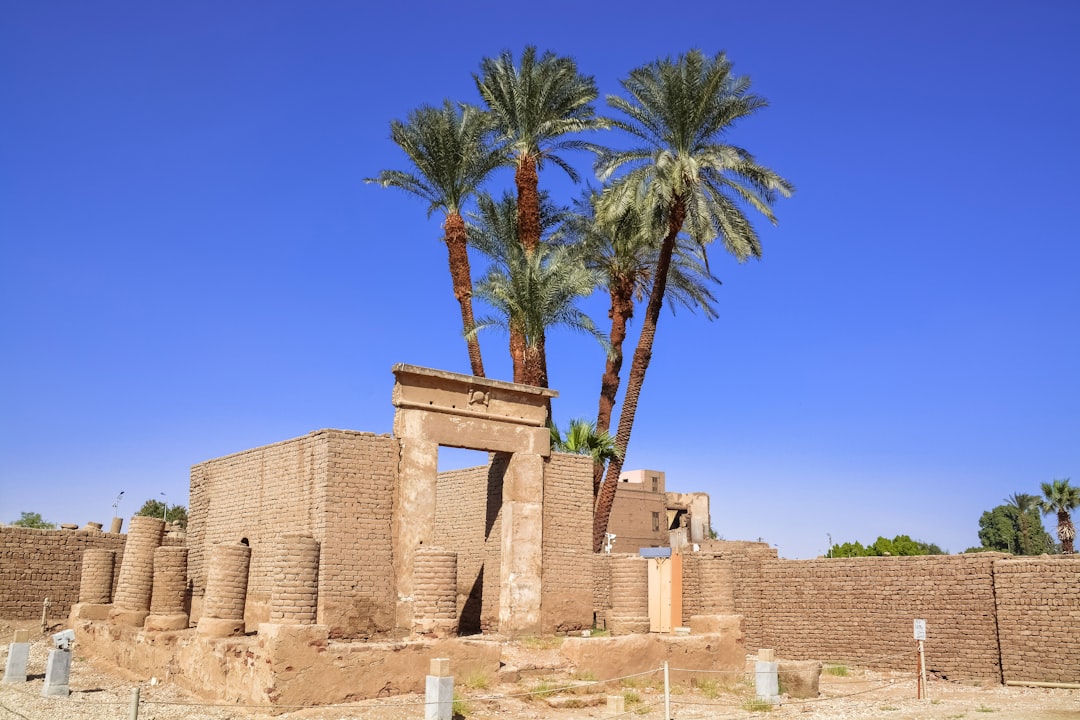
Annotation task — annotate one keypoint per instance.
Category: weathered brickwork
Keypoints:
(1038, 602)
(567, 581)
(629, 595)
(435, 588)
(39, 564)
(708, 585)
(294, 593)
(96, 579)
(334, 485)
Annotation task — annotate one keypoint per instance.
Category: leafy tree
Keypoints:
(1002, 529)
(901, 545)
(33, 520)
(174, 514)
(1061, 498)
(582, 438)
(450, 158)
(531, 293)
(682, 174)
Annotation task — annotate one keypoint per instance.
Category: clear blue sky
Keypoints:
(191, 265)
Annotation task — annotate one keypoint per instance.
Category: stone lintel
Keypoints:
(470, 396)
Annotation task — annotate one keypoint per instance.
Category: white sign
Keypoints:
(920, 629)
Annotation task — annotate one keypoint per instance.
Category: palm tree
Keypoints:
(582, 438)
(1022, 504)
(1061, 498)
(530, 293)
(623, 251)
(534, 106)
(450, 160)
(683, 175)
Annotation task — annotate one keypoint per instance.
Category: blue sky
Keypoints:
(191, 264)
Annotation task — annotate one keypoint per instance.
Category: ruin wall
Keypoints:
(1038, 617)
(334, 485)
(39, 564)
(567, 583)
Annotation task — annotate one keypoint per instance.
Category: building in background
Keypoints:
(644, 514)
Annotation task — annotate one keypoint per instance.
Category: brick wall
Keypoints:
(39, 564)
(335, 485)
(1038, 603)
(567, 583)
(639, 515)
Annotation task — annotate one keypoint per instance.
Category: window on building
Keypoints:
(656, 522)
(655, 484)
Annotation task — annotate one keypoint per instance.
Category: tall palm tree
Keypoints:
(683, 175)
(530, 292)
(450, 159)
(535, 105)
(1022, 504)
(1061, 498)
(623, 251)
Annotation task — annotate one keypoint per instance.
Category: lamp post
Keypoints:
(165, 508)
(116, 504)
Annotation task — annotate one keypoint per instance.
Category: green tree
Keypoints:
(899, 546)
(174, 514)
(450, 159)
(1001, 529)
(622, 249)
(682, 174)
(529, 292)
(536, 106)
(33, 520)
(582, 438)
(1022, 506)
(1061, 498)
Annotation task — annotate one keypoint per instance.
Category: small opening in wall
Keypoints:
(244, 541)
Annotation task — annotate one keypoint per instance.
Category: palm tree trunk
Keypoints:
(1066, 531)
(528, 204)
(642, 357)
(517, 352)
(456, 246)
(622, 309)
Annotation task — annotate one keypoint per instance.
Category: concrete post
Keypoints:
(766, 678)
(439, 698)
(18, 657)
(57, 674)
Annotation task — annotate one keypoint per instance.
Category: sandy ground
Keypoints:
(101, 694)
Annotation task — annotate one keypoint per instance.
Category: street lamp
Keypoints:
(116, 504)
(165, 508)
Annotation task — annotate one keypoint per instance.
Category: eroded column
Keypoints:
(414, 510)
(170, 589)
(135, 585)
(226, 590)
(95, 585)
(629, 595)
(294, 593)
(522, 545)
(435, 593)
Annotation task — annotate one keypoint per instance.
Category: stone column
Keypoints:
(294, 593)
(131, 604)
(522, 545)
(629, 595)
(414, 510)
(435, 593)
(226, 590)
(170, 589)
(95, 586)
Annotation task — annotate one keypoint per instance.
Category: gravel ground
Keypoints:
(101, 694)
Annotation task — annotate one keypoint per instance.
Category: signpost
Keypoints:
(920, 638)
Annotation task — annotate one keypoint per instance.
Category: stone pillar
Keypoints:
(95, 586)
(226, 590)
(131, 604)
(439, 690)
(435, 593)
(766, 680)
(629, 595)
(170, 589)
(414, 512)
(18, 657)
(117, 524)
(522, 545)
(294, 593)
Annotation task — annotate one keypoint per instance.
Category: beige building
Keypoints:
(644, 514)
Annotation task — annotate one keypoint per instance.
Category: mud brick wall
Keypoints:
(567, 583)
(468, 520)
(708, 585)
(1038, 604)
(601, 571)
(861, 610)
(39, 564)
(335, 485)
